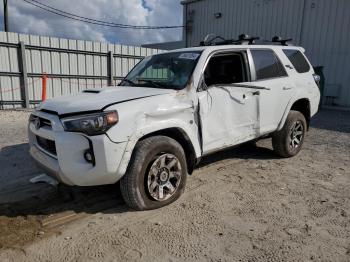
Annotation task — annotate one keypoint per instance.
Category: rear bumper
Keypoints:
(67, 163)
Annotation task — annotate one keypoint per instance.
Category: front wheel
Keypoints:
(156, 175)
(288, 141)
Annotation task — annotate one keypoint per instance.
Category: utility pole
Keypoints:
(6, 18)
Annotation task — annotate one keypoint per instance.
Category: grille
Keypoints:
(46, 144)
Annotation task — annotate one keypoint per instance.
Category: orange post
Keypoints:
(43, 91)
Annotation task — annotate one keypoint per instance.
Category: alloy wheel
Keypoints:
(164, 177)
(296, 135)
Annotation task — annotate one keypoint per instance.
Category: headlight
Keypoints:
(92, 124)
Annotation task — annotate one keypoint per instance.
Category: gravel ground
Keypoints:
(243, 204)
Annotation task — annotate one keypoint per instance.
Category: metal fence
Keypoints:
(71, 66)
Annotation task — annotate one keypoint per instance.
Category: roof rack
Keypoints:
(243, 39)
(278, 39)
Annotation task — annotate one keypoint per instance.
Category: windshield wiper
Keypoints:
(128, 81)
(154, 83)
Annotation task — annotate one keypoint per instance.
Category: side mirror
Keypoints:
(202, 85)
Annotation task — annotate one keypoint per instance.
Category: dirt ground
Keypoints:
(243, 204)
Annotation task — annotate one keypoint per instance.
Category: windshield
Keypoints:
(169, 70)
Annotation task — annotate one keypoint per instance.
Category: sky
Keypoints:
(28, 19)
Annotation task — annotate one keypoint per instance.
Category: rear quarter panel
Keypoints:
(305, 87)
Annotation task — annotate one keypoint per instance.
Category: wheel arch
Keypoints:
(183, 139)
(301, 105)
(175, 132)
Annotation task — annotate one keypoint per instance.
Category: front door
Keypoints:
(229, 114)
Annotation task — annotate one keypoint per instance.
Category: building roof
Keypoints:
(185, 2)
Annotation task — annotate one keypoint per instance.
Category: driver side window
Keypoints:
(225, 68)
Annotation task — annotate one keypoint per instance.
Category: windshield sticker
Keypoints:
(191, 56)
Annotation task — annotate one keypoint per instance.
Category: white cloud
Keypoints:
(32, 20)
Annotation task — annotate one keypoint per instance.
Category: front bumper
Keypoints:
(64, 159)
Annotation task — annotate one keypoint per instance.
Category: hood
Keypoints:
(99, 99)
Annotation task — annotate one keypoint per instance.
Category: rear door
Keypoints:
(268, 71)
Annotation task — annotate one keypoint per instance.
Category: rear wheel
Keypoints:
(289, 140)
(156, 175)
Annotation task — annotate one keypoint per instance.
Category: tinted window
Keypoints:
(298, 60)
(267, 64)
(166, 70)
(225, 69)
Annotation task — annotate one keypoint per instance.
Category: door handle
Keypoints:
(287, 87)
(255, 93)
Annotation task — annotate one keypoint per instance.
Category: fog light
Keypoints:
(89, 156)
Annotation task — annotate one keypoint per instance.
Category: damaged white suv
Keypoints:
(172, 109)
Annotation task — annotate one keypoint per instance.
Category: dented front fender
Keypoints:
(142, 117)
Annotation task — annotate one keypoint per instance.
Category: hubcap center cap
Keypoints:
(164, 175)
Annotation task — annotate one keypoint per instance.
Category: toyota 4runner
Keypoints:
(169, 111)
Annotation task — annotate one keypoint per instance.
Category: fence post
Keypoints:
(110, 68)
(24, 78)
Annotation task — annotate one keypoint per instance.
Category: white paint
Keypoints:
(96, 101)
(228, 116)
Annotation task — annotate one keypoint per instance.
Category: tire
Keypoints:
(155, 162)
(283, 141)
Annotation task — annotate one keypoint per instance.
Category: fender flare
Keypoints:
(291, 102)
(156, 127)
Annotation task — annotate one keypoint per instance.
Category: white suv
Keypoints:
(172, 109)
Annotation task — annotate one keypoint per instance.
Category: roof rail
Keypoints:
(243, 39)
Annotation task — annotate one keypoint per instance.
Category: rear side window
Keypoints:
(298, 60)
(267, 64)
